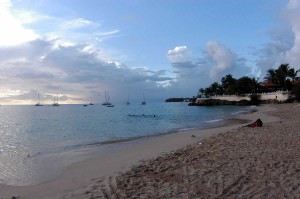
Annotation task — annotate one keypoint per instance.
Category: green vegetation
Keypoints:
(231, 86)
(296, 91)
(282, 78)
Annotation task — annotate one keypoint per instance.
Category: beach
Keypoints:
(231, 161)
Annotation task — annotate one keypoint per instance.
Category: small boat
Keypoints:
(128, 103)
(39, 101)
(107, 100)
(144, 101)
(85, 105)
(55, 103)
(91, 103)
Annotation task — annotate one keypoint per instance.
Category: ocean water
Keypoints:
(36, 143)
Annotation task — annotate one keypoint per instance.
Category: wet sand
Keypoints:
(227, 162)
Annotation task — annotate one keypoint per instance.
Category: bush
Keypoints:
(296, 92)
(254, 99)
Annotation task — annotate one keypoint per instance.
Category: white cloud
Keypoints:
(284, 46)
(74, 71)
(178, 54)
(189, 74)
(293, 4)
(67, 62)
(12, 31)
(292, 14)
(77, 23)
(77, 30)
(216, 61)
(64, 56)
(223, 59)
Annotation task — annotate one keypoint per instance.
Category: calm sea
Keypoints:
(37, 142)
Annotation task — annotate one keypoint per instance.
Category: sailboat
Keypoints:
(144, 101)
(128, 103)
(39, 101)
(55, 103)
(91, 103)
(107, 100)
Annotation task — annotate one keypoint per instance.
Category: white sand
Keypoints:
(82, 176)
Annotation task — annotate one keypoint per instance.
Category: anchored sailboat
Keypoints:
(39, 101)
(128, 103)
(55, 103)
(107, 100)
(144, 100)
(91, 103)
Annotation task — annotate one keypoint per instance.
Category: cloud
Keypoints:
(78, 30)
(222, 59)
(215, 62)
(178, 54)
(76, 71)
(46, 54)
(38, 25)
(292, 14)
(78, 23)
(12, 31)
(284, 46)
(64, 60)
(189, 74)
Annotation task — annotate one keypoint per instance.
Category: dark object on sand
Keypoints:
(257, 123)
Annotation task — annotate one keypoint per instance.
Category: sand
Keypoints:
(227, 162)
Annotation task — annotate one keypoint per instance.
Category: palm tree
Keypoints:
(216, 88)
(271, 76)
(201, 92)
(229, 83)
(282, 74)
(254, 85)
(292, 73)
(246, 85)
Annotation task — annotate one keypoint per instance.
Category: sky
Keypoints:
(77, 50)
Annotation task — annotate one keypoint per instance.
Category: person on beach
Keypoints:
(257, 123)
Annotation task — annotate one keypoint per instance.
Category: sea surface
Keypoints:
(36, 143)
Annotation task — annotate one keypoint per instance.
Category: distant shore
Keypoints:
(245, 100)
(99, 176)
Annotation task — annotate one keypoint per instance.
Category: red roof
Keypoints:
(269, 84)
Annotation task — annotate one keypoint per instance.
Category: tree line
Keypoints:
(282, 78)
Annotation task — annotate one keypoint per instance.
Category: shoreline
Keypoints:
(245, 162)
(236, 118)
(81, 175)
(45, 165)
